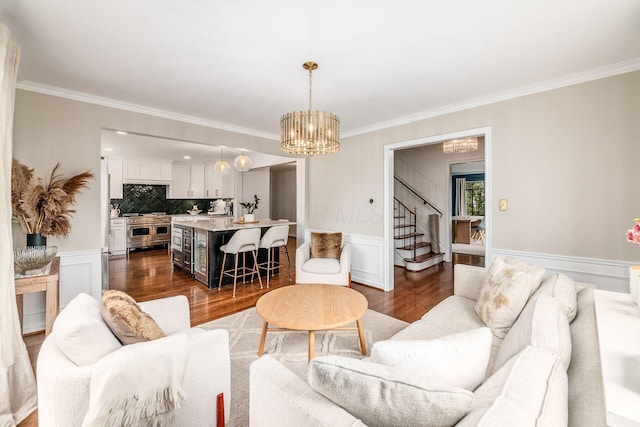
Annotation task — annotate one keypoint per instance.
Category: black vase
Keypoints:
(36, 239)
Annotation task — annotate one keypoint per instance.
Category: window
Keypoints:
(474, 196)
(473, 193)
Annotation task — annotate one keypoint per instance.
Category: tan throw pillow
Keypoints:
(326, 245)
(127, 322)
(503, 295)
(535, 271)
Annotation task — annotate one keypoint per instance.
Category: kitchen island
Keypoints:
(196, 245)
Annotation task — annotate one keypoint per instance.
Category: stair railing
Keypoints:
(425, 201)
(409, 220)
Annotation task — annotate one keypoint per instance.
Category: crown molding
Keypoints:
(547, 85)
(136, 108)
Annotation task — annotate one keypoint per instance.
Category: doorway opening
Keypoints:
(443, 194)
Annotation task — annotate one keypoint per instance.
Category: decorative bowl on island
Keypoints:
(33, 260)
(194, 211)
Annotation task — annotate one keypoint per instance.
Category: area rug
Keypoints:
(290, 348)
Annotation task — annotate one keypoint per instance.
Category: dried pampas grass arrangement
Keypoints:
(44, 207)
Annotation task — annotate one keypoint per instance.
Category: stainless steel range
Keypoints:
(148, 230)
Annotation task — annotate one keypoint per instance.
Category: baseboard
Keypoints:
(79, 272)
(606, 274)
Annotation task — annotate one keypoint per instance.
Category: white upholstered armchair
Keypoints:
(81, 343)
(330, 271)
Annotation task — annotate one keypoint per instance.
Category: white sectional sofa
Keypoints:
(526, 380)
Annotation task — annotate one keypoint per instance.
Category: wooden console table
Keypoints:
(618, 320)
(462, 228)
(47, 283)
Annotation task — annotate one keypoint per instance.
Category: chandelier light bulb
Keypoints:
(242, 162)
(221, 166)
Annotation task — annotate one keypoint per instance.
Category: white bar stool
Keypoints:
(246, 240)
(275, 237)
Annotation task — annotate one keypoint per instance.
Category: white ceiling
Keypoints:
(237, 64)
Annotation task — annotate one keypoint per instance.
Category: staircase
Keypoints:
(412, 247)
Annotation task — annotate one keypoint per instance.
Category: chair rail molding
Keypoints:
(606, 274)
(79, 272)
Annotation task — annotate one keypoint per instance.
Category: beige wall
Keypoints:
(283, 195)
(567, 161)
(49, 129)
(256, 182)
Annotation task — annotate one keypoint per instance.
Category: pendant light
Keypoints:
(221, 166)
(242, 162)
(310, 132)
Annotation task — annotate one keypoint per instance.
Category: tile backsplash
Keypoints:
(142, 198)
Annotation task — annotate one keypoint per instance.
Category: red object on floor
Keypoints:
(220, 410)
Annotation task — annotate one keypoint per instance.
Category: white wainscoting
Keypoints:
(367, 262)
(610, 275)
(79, 272)
(366, 257)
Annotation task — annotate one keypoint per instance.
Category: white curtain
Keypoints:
(461, 202)
(17, 382)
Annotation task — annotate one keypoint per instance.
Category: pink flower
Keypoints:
(633, 235)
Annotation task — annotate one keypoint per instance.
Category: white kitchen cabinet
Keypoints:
(197, 181)
(114, 166)
(217, 185)
(118, 236)
(187, 181)
(147, 171)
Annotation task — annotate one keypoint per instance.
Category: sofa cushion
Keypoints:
(81, 334)
(459, 359)
(126, 320)
(321, 266)
(531, 389)
(543, 324)
(386, 395)
(563, 288)
(503, 295)
(586, 389)
(325, 245)
(452, 315)
(535, 271)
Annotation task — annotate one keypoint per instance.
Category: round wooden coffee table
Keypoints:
(312, 308)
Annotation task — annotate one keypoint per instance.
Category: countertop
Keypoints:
(228, 223)
(177, 218)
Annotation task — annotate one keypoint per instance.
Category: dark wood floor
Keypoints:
(149, 274)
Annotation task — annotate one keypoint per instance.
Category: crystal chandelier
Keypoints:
(464, 145)
(310, 132)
